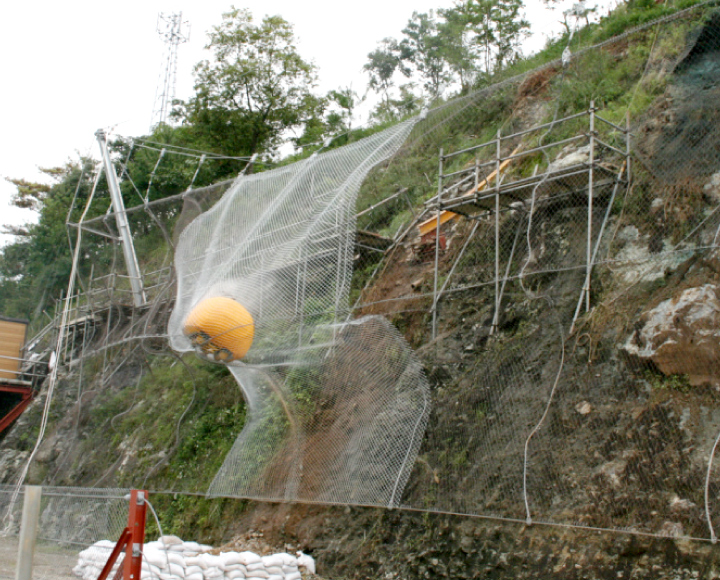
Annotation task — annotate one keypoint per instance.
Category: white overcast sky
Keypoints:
(71, 67)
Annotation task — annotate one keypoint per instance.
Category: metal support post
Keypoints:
(131, 541)
(437, 245)
(131, 261)
(628, 172)
(496, 316)
(28, 532)
(136, 525)
(477, 175)
(618, 179)
(591, 161)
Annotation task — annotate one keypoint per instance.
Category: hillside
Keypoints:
(565, 318)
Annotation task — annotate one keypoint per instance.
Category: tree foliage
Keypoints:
(254, 89)
(457, 48)
(36, 268)
(424, 49)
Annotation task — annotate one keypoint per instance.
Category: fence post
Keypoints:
(28, 532)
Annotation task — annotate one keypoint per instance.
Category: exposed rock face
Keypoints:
(638, 261)
(712, 188)
(682, 335)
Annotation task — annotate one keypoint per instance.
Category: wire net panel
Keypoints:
(71, 520)
(548, 353)
(280, 244)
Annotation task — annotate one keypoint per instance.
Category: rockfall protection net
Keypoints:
(538, 408)
(280, 243)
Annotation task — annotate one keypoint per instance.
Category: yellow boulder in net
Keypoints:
(221, 328)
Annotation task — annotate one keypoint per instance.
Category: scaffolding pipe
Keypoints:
(131, 261)
(597, 245)
(591, 161)
(457, 260)
(437, 244)
(496, 316)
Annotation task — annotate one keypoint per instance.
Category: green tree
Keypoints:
(343, 103)
(405, 104)
(424, 49)
(382, 64)
(29, 195)
(458, 49)
(254, 89)
(35, 268)
(496, 29)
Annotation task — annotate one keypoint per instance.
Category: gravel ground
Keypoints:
(51, 562)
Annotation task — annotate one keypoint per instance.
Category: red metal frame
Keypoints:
(26, 394)
(131, 541)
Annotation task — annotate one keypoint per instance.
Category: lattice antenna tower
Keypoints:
(170, 28)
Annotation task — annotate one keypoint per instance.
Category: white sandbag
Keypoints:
(258, 573)
(151, 574)
(155, 557)
(273, 560)
(154, 545)
(235, 574)
(175, 558)
(293, 576)
(194, 576)
(248, 558)
(95, 553)
(276, 577)
(151, 568)
(307, 562)
(230, 559)
(275, 570)
(289, 569)
(213, 572)
(288, 559)
(91, 573)
(209, 561)
(192, 547)
(175, 570)
(233, 567)
(168, 541)
(193, 570)
(193, 561)
(255, 566)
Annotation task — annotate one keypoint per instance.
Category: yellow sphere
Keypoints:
(221, 328)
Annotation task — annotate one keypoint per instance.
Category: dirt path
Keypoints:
(51, 561)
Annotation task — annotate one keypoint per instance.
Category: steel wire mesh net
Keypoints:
(77, 529)
(564, 312)
(280, 244)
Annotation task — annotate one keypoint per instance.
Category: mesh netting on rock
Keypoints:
(544, 313)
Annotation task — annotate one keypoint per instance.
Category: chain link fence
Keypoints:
(71, 520)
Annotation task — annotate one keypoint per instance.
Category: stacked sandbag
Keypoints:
(170, 558)
(92, 560)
